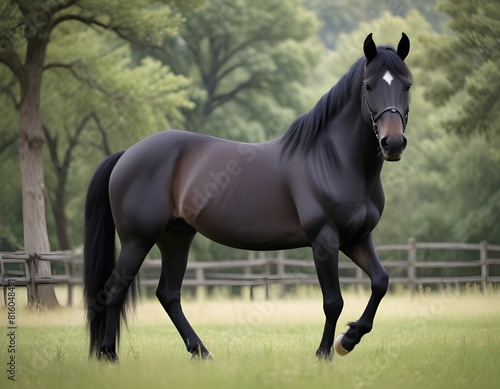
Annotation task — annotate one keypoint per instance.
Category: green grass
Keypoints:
(443, 340)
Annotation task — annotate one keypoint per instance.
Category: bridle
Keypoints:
(375, 117)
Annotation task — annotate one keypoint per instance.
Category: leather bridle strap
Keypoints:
(375, 117)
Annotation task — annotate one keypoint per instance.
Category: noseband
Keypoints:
(375, 117)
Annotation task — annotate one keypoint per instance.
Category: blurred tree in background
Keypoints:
(248, 60)
(101, 103)
(470, 62)
(344, 16)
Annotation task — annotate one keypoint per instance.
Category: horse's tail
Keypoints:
(99, 250)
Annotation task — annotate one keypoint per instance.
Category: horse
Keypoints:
(317, 185)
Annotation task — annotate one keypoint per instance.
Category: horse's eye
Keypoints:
(408, 87)
(368, 87)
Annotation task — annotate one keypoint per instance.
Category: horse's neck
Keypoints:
(354, 144)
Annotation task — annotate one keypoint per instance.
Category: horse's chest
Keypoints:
(355, 216)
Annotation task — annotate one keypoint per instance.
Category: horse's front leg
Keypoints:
(326, 258)
(364, 254)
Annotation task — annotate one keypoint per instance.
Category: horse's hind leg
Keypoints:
(174, 246)
(365, 256)
(129, 261)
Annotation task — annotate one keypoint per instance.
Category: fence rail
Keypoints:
(402, 261)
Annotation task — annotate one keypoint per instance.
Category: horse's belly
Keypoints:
(249, 234)
(238, 217)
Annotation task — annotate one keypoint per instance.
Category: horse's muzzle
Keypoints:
(393, 147)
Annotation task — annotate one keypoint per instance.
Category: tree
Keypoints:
(470, 64)
(248, 61)
(104, 103)
(25, 31)
(344, 16)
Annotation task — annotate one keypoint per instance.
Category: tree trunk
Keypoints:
(30, 144)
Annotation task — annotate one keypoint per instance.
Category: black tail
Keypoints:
(99, 250)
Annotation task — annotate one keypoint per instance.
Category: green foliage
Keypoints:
(132, 101)
(248, 61)
(450, 193)
(101, 102)
(92, 96)
(386, 29)
(344, 16)
(453, 191)
(470, 60)
(11, 228)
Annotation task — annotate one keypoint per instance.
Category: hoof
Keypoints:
(323, 355)
(208, 357)
(202, 356)
(109, 356)
(339, 349)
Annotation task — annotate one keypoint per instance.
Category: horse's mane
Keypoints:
(305, 130)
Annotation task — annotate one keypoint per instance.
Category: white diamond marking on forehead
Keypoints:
(388, 77)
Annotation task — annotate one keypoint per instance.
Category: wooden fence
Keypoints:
(407, 264)
(20, 268)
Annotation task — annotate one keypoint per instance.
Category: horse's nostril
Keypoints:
(384, 143)
(405, 142)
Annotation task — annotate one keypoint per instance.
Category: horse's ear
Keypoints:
(403, 47)
(369, 48)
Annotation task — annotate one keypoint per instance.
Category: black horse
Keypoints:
(317, 185)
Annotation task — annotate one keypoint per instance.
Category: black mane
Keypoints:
(304, 131)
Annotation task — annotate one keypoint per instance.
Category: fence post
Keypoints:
(200, 284)
(412, 262)
(70, 270)
(483, 259)
(32, 263)
(247, 271)
(280, 271)
(267, 270)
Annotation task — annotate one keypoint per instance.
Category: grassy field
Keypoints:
(428, 340)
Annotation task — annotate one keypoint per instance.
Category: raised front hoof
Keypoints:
(339, 349)
(108, 356)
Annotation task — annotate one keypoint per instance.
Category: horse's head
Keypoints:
(386, 97)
